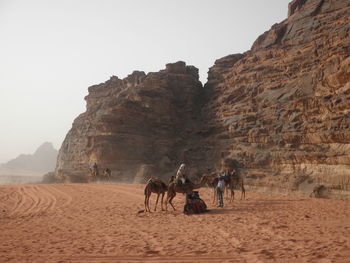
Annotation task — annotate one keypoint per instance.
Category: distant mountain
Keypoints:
(43, 160)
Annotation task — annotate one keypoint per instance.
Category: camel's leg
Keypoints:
(146, 202)
(170, 202)
(149, 196)
(161, 204)
(155, 208)
(230, 191)
(166, 201)
(232, 194)
(214, 195)
(170, 198)
(243, 191)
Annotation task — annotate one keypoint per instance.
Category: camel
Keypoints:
(211, 182)
(317, 191)
(94, 174)
(107, 173)
(232, 181)
(183, 189)
(154, 185)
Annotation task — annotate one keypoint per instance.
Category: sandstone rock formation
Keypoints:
(280, 109)
(132, 122)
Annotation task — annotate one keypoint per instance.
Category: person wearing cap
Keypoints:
(180, 175)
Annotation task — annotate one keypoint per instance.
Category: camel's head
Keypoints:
(206, 178)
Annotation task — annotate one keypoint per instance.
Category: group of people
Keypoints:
(182, 179)
(220, 187)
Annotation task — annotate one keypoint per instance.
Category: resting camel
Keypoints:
(183, 189)
(154, 185)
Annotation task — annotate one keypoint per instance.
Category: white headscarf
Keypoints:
(181, 170)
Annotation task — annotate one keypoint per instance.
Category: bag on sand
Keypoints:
(194, 204)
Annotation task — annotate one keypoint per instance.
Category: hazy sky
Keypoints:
(51, 51)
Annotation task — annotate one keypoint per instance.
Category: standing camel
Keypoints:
(183, 189)
(212, 181)
(233, 180)
(154, 185)
(107, 173)
(94, 174)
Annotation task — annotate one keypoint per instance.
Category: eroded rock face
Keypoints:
(132, 122)
(282, 109)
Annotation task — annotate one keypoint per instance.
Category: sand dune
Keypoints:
(100, 223)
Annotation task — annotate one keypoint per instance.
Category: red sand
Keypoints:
(100, 223)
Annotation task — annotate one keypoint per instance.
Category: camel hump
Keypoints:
(158, 183)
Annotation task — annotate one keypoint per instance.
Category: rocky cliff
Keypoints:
(281, 110)
(134, 125)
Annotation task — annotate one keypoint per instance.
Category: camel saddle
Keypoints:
(158, 182)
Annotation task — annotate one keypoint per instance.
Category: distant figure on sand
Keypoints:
(107, 173)
(317, 191)
(180, 175)
(220, 188)
(94, 171)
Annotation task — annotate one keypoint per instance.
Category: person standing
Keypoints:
(220, 188)
(95, 170)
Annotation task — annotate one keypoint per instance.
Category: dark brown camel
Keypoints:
(154, 185)
(183, 189)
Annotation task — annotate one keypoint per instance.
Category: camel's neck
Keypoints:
(197, 186)
(200, 184)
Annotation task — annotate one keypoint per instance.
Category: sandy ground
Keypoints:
(100, 223)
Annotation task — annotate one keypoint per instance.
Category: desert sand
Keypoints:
(101, 223)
